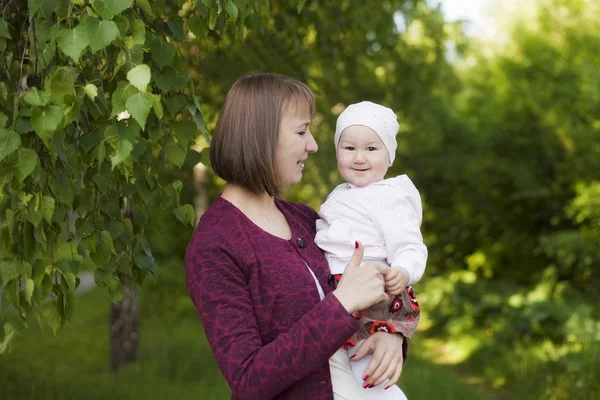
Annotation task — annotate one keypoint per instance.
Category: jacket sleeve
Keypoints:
(398, 215)
(255, 370)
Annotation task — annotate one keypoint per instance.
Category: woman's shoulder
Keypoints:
(217, 226)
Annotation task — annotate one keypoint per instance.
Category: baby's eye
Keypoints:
(350, 148)
(301, 133)
(371, 149)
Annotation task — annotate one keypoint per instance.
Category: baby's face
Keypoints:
(362, 157)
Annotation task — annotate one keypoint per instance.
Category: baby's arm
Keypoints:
(396, 280)
(398, 215)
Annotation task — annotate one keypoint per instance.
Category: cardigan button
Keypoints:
(301, 242)
(330, 280)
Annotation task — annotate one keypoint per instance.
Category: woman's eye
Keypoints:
(350, 148)
(301, 133)
(371, 149)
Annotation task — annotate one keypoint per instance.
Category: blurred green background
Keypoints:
(500, 131)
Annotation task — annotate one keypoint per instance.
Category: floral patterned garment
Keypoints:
(401, 314)
(259, 305)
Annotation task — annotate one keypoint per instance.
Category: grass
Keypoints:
(174, 360)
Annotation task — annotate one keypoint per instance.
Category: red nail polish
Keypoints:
(371, 386)
(387, 388)
(365, 386)
(353, 356)
(365, 378)
(356, 245)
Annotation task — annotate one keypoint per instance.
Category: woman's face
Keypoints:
(293, 145)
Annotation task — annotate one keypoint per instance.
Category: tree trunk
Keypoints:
(124, 330)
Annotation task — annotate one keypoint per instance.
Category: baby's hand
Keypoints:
(396, 280)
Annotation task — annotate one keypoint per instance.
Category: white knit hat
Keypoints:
(379, 118)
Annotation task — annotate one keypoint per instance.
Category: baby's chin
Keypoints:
(362, 182)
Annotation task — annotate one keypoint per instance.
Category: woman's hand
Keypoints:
(387, 359)
(361, 287)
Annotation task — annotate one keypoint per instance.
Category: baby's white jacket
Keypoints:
(384, 216)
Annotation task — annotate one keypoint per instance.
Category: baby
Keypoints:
(384, 215)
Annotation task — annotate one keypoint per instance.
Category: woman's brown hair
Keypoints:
(242, 148)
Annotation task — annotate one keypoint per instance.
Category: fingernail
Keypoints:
(353, 356)
(365, 378)
(356, 245)
(371, 386)
(387, 388)
(365, 385)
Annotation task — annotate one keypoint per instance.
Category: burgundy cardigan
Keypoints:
(270, 333)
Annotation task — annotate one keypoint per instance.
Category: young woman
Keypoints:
(257, 278)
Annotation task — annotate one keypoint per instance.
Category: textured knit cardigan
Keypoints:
(259, 305)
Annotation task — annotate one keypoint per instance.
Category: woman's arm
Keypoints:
(255, 370)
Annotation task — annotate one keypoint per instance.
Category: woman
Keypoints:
(258, 280)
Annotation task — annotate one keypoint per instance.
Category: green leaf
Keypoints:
(8, 270)
(9, 142)
(175, 103)
(89, 140)
(231, 10)
(213, 15)
(162, 52)
(171, 80)
(185, 214)
(157, 106)
(199, 119)
(138, 32)
(107, 242)
(176, 28)
(70, 279)
(139, 106)
(36, 97)
(28, 292)
(91, 90)
(177, 186)
(121, 153)
(45, 120)
(100, 33)
(26, 161)
(145, 6)
(84, 228)
(198, 26)
(184, 132)
(122, 23)
(139, 77)
(300, 5)
(120, 96)
(72, 42)
(3, 120)
(146, 262)
(109, 8)
(176, 154)
(47, 208)
(53, 318)
(34, 217)
(4, 29)
(62, 83)
(3, 91)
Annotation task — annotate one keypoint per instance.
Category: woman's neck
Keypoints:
(259, 208)
(248, 201)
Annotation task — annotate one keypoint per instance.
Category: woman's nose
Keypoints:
(311, 144)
